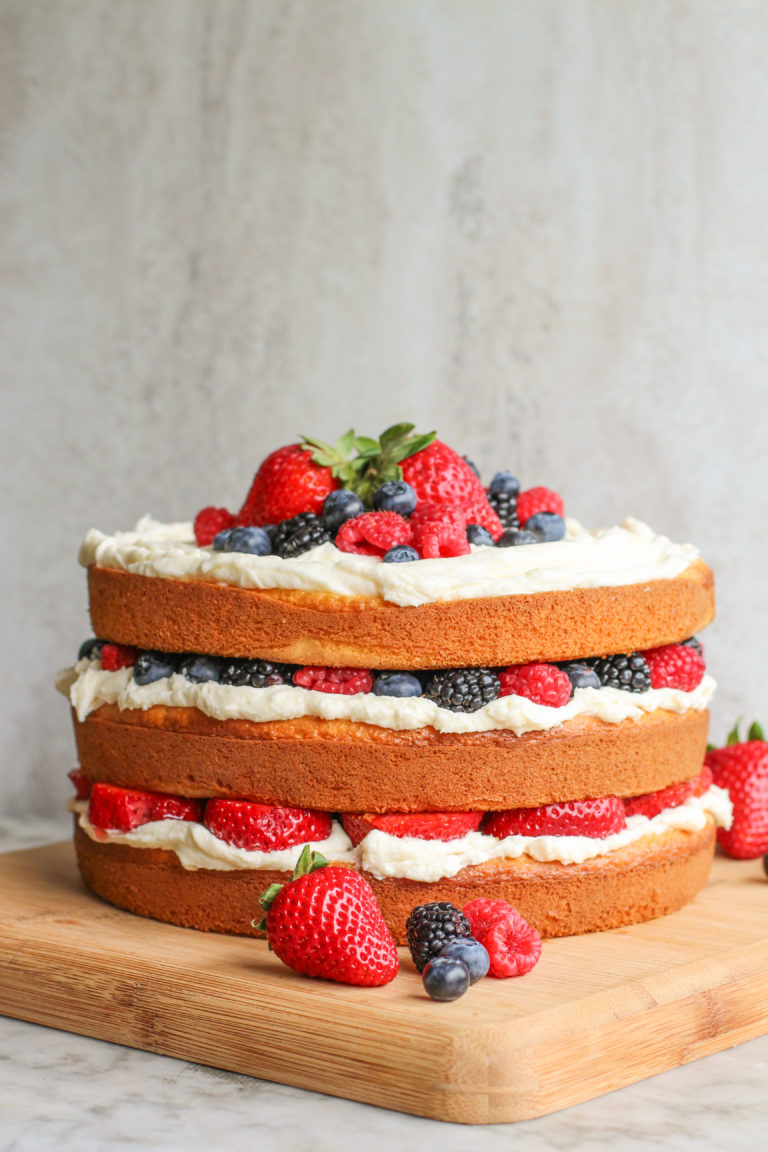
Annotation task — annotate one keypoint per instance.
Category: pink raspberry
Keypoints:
(209, 522)
(538, 500)
(373, 533)
(514, 947)
(440, 530)
(542, 683)
(339, 681)
(482, 912)
(115, 656)
(675, 666)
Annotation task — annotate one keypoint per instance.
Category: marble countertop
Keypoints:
(61, 1091)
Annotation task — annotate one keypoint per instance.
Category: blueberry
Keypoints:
(400, 554)
(505, 482)
(547, 526)
(395, 496)
(472, 955)
(513, 537)
(200, 668)
(151, 666)
(340, 506)
(445, 979)
(251, 539)
(580, 674)
(396, 684)
(91, 649)
(476, 534)
(221, 540)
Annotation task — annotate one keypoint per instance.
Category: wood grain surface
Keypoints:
(597, 1013)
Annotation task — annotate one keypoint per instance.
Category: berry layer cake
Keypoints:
(452, 688)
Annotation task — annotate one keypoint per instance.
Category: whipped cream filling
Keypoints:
(89, 687)
(630, 554)
(407, 857)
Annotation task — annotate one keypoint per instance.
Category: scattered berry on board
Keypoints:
(430, 927)
(513, 945)
(445, 978)
(742, 768)
(471, 953)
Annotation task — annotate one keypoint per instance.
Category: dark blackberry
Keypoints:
(430, 927)
(463, 689)
(628, 672)
(692, 642)
(299, 534)
(255, 673)
(504, 505)
(91, 649)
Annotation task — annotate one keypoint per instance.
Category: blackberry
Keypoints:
(504, 505)
(463, 689)
(430, 927)
(299, 534)
(628, 672)
(255, 673)
(692, 642)
(91, 649)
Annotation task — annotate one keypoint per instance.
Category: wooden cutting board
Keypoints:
(598, 1012)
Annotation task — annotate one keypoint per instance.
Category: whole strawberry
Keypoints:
(437, 473)
(325, 922)
(742, 768)
(288, 482)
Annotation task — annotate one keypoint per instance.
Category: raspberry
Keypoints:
(459, 513)
(81, 782)
(339, 681)
(443, 535)
(482, 912)
(114, 656)
(209, 522)
(651, 803)
(675, 666)
(594, 818)
(542, 683)
(513, 946)
(373, 533)
(538, 500)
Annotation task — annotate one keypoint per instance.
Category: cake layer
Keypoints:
(342, 765)
(651, 877)
(301, 627)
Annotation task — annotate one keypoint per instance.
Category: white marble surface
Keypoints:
(64, 1092)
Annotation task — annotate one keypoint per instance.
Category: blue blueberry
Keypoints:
(580, 674)
(505, 482)
(472, 955)
(91, 649)
(396, 684)
(476, 534)
(198, 669)
(547, 526)
(445, 979)
(400, 554)
(514, 537)
(250, 539)
(340, 506)
(151, 666)
(221, 540)
(395, 496)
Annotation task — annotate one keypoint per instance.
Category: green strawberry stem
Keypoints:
(376, 461)
(755, 733)
(308, 861)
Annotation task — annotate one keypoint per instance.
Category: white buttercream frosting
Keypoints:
(610, 557)
(89, 687)
(407, 857)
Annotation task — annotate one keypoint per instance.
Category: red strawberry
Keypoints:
(288, 482)
(513, 946)
(542, 683)
(81, 782)
(675, 666)
(422, 825)
(373, 533)
(209, 522)
(651, 803)
(264, 827)
(742, 768)
(538, 500)
(339, 681)
(116, 656)
(437, 473)
(325, 922)
(122, 809)
(594, 818)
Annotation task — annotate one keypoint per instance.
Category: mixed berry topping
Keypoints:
(373, 533)
(209, 522)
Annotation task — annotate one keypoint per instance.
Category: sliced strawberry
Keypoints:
(264, 827)
(421, 825)
(116, 656)
(122, 809)
(651, 803)
(81, 782)
(595, 818)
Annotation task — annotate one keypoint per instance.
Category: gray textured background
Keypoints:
(538, 225)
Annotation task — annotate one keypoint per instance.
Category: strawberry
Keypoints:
(538, 500)
(675, 666)
(122, 809)
(287, 483)
(594, 818)
(337, 681)
(209, 522)
(651, 803)
(543, 683)
(373, 533)
(421, 825)
(742, 768)
(264, 827)
(437, 473)
(81, 782)
(325, 922)
(513, 945)
(116, 656)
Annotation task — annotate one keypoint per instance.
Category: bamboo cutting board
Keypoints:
(598, 1012)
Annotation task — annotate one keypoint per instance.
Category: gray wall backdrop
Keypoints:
(540, 226)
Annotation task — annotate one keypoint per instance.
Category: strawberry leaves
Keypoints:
(375, 462)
